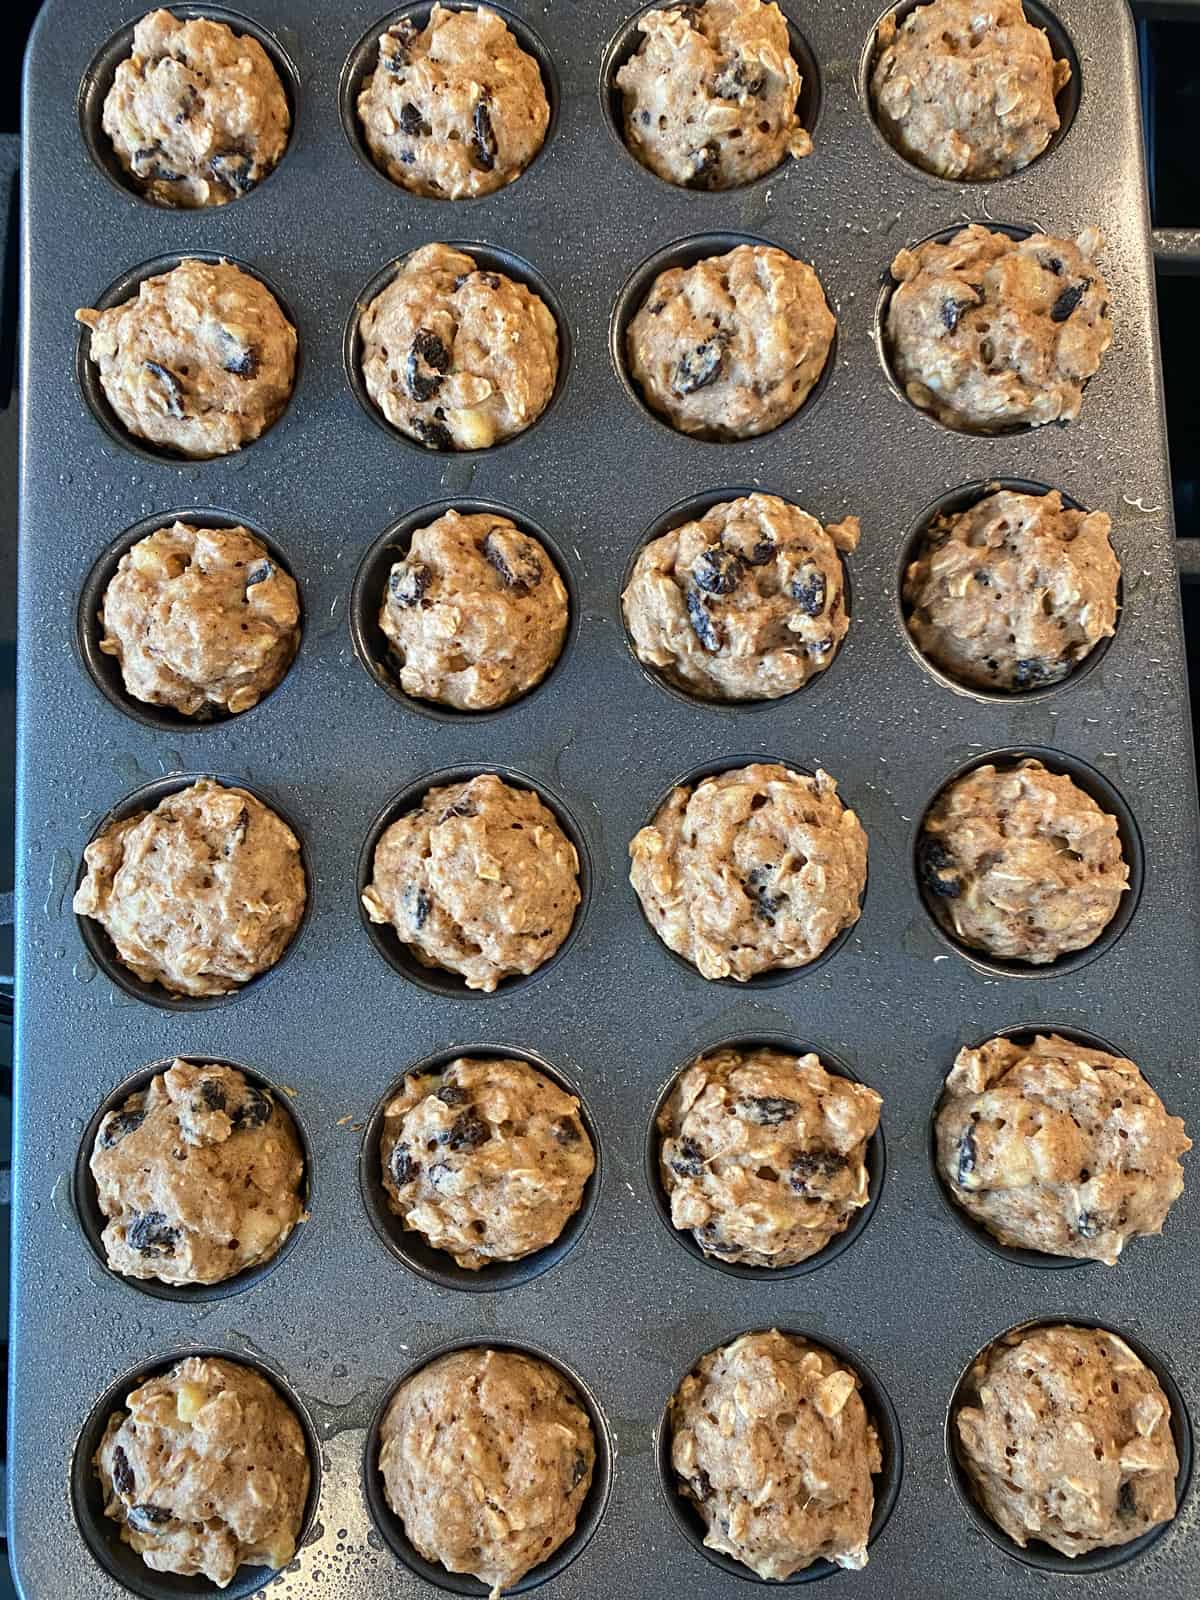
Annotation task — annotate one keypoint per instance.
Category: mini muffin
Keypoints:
(197, 115)
(200, 361)
(755, 869)
(991, 333)
(964, 92)
(763, 1154)
(1056, 1147)
(475, 614)
(1014, 592)
(731, 346)
(772, 1444)
(1065, 1436)
(710, 96)
(199, 1177)
(201, 894)
(747, 602)
(206, 1471)
(487, 1159)
(201, 620)
(1021, 863)
(455, 357)
(486, 1458)
(478, 879)
(455, 109)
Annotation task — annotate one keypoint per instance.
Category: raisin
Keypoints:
(234, 169)
(738, 81)
(147, 166)
(1029, 672)
(408, 582)
(759, 553)
(395, 45)
(188, 101)
(122, 1473)
(433, 435)
(260, 573)
(450, 1094)
(700, 366)
(514, 558)
(428, 363)
(982, 579)
(490, 280)
(717, 571)
(237, 834)
(242, 360)
(1088, 1225)
(758, 886)
(438, 1171)
(417, 904)
(688, 1160)
(460, 808)
(968, 1157)
(935, 865)
(1127, 1499)
(952, 310)
(703, 626)
(402, 1168)
(1052, 264)
(813, 1168)
(254, 1111)
(483, 137)
(1068, 300)
(170, 383)
(567, 1131)
(467, 1132)
(701, 1484)
(212, 1096)
(713, 1242)
(143, 1518)
(767, 1110)
(579, 1469)
(707, 165)
(118, 1123)
(150, 1234)
(412, 122)
(808, 589)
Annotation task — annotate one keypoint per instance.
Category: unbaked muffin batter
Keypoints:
(200, 361)
(753, 869)
(201, 894)
(478, 879)
(486, 1457)
(197, 114)
(763, 1154)
(1014, 592)
(1056, 1147)
(967, 91)
(747, 602)
(991, 333)
(486, 1159)
(206, 1471)
(201, 620)
(1065, 1435)
(475, 614)
(710, 96)
(771, 1442)
(454, 109)
(455, 357)
(199, 1176)
(731, 346)
(1021, 863)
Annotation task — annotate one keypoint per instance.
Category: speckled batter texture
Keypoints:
(710, 96)
(731, 346)
(206, 1471)
(199, 1177)
(201, 620)
(1056, 1147)
(487, 1457)
(772, 1444)
(967, 90)
(455, 357)
(454, 109)
(486, 1159)
(201, 894)
(763, 1154)
(1065, 1436)
(200, 361)
(747, 602)
(1014, 592)
(1021, 863)
(197, 115)
(479, 879)
(754, 869)
(475, 614)
(990, 333)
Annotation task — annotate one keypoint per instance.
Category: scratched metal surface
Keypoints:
(628, 1309)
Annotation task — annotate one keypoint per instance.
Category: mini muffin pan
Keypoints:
(339, 1318)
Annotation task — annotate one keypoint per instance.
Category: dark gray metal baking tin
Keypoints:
(627, 1310)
